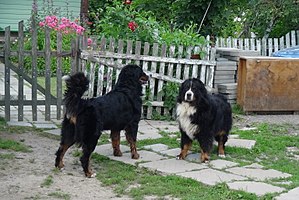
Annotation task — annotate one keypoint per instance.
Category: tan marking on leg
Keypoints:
(184, 151)
(204, 156)
(221, 144)
(134, 154)
(64, 149)
(115, 137)
(73, 120)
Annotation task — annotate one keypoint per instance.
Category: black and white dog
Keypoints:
(202, 117)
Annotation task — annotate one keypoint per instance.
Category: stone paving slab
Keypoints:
(257, 188)
(148, 134)
(44, 125)
(54, 131)
(19, 123)
(172, 152)
(258, 174)
(222, 164)
(145, 156)
(211, 176)
(172, 166)
(290, 195)
(107, 150)
(157, 147)
(242, 143)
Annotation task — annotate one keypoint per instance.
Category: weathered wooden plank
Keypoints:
(103, 54)
(246, 41)
(161, 71)
(137, 51)
(293, 38)
(110, 69)
(178, 73)
(34, 68)
(258, 46)
(21, 71)
(101, 70)
(59, 76)
(264, 47)
(129, 51)
(288, 40)
(187, 67)
(7, 73)
(120, 50)
(252, 44)
(270, 46)
(281, 43)
(153, 68)
(47, 75)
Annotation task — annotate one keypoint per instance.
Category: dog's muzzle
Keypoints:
(189, 96)
(144, 79)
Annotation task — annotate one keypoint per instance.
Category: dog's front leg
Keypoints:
(186, 144)
(131, 136)
(115, 137)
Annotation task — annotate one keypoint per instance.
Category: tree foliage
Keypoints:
(264, 18)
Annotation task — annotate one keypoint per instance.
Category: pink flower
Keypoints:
(41, 24)
(89, 41)
(132, 25)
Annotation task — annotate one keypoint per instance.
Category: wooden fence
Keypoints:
(102, 61)
(164, 64)
(265, 46)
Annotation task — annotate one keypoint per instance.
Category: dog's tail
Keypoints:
(76, 85)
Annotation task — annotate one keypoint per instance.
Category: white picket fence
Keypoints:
(265, 46)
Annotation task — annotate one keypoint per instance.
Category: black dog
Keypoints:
(117, 110)
(202, 117)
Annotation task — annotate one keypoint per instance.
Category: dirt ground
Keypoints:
(21, 178)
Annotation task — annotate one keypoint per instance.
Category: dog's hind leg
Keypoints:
(115, 137)
(186, 144)
(221, 139)
(131, 136)
(67, 140)
(85, 159)
(60, 154)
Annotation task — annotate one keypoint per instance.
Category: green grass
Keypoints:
(13, 145)
(59, 195)
(138, 183)
(47, 182)
(41, 81)
(8, 156)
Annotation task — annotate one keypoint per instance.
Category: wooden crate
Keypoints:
(268, 84)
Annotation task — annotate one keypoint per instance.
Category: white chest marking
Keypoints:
(184, 111)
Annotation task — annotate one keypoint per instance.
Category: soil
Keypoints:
(23, 177)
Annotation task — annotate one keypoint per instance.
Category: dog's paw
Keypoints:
(93, 175)
(221, 155)
(117, 153)
(180, 157)
(135, 156)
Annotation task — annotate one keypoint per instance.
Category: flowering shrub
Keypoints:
(69, 29)
(64, 25)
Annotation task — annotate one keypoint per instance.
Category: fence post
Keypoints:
(7, 73)
(21, 71)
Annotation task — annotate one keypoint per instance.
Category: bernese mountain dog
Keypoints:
(85, 119)
(202, 117)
